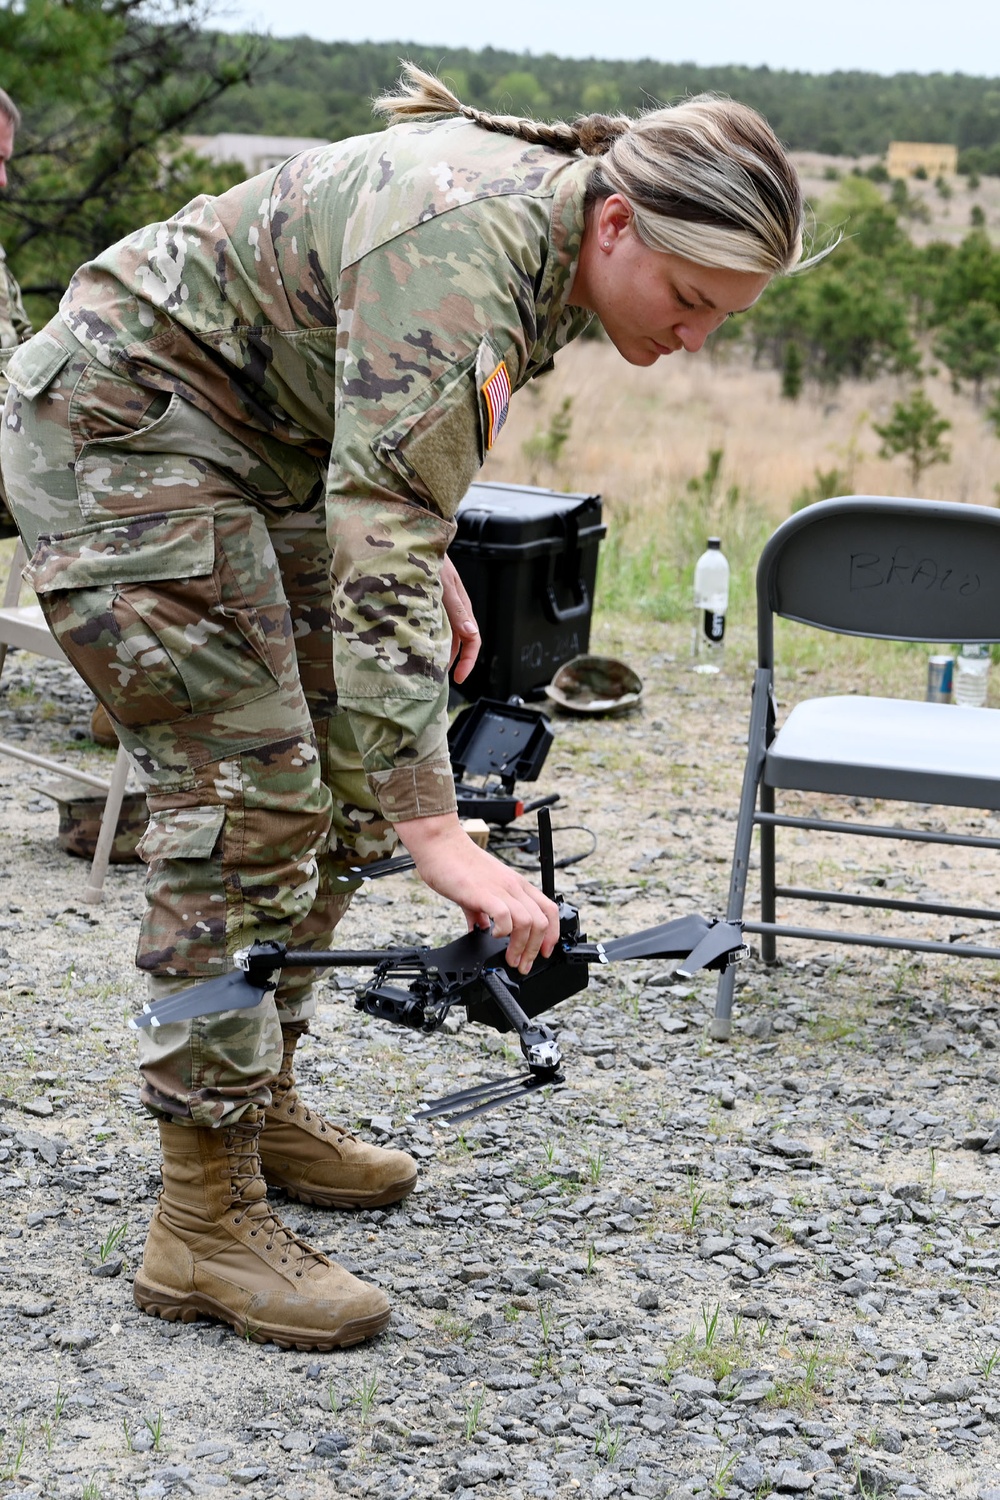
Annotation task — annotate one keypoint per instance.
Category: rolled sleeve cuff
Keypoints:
(426, 790)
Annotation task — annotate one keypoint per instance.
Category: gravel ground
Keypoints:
(762, 1268)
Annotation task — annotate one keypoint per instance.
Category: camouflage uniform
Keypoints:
(14, 329)
(324, 342)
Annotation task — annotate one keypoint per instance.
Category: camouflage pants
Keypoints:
(201, 619)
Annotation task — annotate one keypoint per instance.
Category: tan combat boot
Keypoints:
(315, 1161)
(214, 1247)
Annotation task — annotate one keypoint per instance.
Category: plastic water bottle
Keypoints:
(711, 600)
(972, 671)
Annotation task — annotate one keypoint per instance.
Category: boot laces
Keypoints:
(285, 1096)
(250, 1201)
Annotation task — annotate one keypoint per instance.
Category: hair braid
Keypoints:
(420, 93)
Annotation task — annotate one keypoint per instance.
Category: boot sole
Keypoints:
(175, 1307)
(329, 1198)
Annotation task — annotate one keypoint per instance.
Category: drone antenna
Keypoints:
(546, 858)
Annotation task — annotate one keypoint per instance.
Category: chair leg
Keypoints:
(109, 824)
(768, 948)
(721, 1026)
(12, 589)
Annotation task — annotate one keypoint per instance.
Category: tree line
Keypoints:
(323, 89)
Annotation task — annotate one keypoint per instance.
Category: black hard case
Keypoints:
(528, 558)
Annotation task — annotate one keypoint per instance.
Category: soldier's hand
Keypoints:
(490, 893)
(465, 638)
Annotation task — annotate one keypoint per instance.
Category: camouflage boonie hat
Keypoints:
(595, 685)
(80, 810)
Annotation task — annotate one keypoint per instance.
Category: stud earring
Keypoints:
(607, 244)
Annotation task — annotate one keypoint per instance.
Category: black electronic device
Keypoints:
(501, 744)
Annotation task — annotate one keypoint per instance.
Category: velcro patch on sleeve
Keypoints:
(496, 395)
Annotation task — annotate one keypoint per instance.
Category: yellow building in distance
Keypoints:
(906, 158)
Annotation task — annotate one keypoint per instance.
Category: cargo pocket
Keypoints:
(184, 833)
(156, 625)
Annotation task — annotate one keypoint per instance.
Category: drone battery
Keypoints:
(550, 981)
(528, 558)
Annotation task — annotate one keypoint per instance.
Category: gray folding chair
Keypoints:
(23, 626)
(890, 569)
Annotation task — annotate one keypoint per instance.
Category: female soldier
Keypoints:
(234, 457)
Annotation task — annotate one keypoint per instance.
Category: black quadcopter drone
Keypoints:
(417, 987)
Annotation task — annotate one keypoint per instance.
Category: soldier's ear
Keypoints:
(613, 221)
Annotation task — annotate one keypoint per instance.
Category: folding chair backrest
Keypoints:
(869, 565)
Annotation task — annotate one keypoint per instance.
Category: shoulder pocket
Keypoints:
(438, 442)
(36, 364)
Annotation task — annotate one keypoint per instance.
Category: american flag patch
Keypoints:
(497, 393)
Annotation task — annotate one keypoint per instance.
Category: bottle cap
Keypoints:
(715, 541)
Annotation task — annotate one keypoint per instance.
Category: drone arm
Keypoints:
(538, 1042)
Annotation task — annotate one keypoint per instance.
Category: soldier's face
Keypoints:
(651, 303)
(6, 147)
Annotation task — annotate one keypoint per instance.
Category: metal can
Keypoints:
(939, 678)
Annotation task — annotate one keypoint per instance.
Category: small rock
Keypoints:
(476, 1470)
(39, 1107)
(749, 1473)
(330, 1444)
(789, 1479)
(715, 1244)
(297, 1442)
(110, 1267)
(74, 1338)
(475, 1273)
(954, 1390)
(783, 1145)
(692, 1385)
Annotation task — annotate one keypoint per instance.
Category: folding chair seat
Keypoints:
(23, 626)
(888, 569)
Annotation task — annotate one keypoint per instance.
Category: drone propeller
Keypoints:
(246, 986)
(233, 991)
(694, 939)
(721, 946)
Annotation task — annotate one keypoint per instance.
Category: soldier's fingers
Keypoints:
(534, 929)
(469, 642)
(465, 638)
